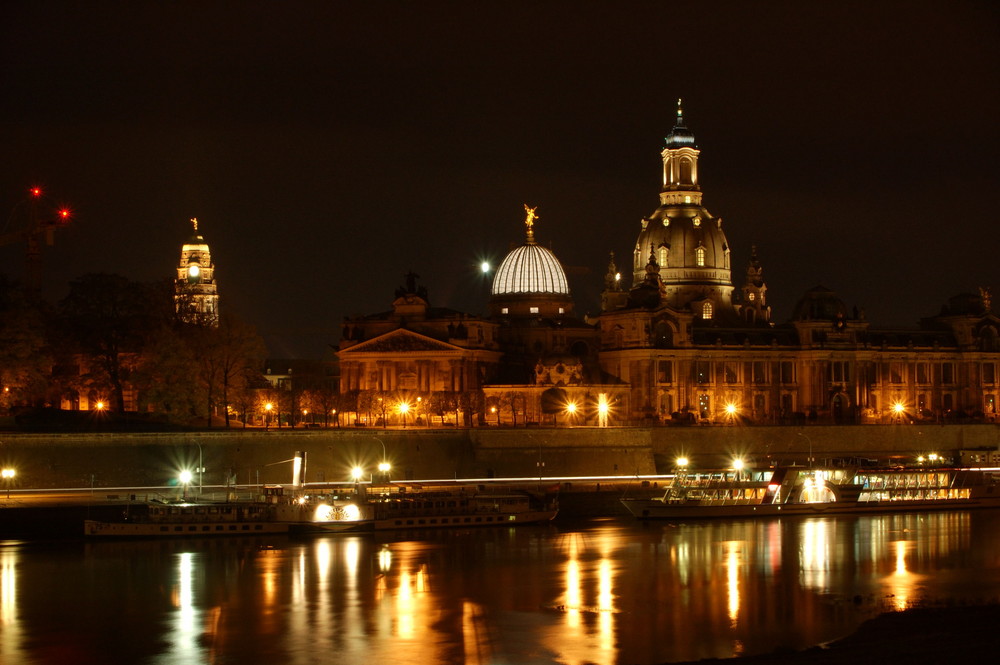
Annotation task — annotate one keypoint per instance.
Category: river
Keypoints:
(607, 592)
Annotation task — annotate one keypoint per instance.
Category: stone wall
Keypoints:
(112, 460)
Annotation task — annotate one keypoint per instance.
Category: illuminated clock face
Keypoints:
(194, 270)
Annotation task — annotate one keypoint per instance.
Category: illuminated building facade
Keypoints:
(692, 350)
(683, 344)
(196, 295)
(416, 351)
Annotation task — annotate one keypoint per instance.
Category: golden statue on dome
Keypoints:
(194, 223)
(529, 221)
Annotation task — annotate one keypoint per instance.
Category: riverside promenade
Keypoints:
(250, 456)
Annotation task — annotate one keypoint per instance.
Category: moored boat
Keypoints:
(185, 519)
(815, 491)
(331, 511)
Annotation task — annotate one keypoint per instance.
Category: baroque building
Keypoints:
(196, 294)
(692, 351)
(682, 344)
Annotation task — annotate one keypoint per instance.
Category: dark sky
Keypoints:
(327, 148)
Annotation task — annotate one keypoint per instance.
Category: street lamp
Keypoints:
(810, 458)
(404, 408)
(570, 412)
(8, 477)
(185, 479)
(267, 415)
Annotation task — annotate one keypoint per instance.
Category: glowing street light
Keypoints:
(8, 477)
(185, 478)
(356, 474)
(404, 408)
(571, 410)
(267, 415)
(681, 462)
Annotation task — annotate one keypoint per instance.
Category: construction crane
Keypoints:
(33, 221)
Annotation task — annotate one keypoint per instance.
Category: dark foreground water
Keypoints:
(608, 591)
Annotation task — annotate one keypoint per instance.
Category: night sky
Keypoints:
(327, 148)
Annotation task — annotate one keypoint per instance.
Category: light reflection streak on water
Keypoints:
(815, 557)
(733, 580)
(404, 606)
(10, 627)
(605, 606)
(184, 634)
(572, 604)
(902, 583)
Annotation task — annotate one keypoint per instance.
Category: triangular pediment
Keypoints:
(400, 341)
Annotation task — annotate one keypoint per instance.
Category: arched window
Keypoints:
(663, 257)
(706, 310)
(685, 171)
(699, 255)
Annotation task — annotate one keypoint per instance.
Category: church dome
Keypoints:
(530, 269)
(530, 281)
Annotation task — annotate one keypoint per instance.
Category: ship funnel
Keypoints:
(299, 469)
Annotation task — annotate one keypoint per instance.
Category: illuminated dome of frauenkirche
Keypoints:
(530, 269)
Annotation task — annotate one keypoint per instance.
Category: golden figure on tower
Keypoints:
(194, 223)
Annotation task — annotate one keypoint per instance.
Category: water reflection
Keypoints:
(607, 592)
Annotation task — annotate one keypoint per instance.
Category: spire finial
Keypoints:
(194, 223)
(680, 113)
(529, 221)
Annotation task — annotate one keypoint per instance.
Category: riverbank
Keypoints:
(919, 636)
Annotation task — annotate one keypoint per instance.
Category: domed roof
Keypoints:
(819, 303)
(530, 269)
(689, 240)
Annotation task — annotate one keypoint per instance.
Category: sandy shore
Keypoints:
(922, 636)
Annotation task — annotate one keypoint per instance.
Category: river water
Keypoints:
(601, 591)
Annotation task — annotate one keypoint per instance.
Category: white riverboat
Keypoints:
(816, 491)
(334, 510)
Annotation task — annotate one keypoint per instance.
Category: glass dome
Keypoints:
(530, 269)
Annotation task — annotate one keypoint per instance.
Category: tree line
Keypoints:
(122, 344)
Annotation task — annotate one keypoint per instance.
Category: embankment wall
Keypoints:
(249, 456)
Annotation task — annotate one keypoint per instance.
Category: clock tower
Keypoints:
(195, 291)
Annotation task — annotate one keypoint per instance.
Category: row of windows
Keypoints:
(838, 371)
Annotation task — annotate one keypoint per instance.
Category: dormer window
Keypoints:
(696, 221)
(751, 296)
